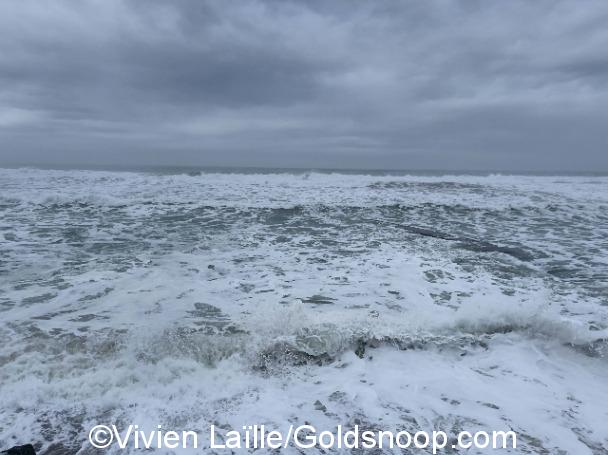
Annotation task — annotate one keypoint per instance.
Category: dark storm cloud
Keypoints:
(410, 84)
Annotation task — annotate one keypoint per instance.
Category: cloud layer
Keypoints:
(446, 84)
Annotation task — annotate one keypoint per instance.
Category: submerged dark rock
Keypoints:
(26, 449)
(471, 244)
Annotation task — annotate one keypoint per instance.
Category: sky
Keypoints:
(385, 84)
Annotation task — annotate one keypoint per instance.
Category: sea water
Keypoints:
(384, 300)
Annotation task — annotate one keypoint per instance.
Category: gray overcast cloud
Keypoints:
(505, 85)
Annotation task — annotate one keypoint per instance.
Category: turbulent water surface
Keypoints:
(412, 302)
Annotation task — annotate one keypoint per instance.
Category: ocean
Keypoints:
(186, 298)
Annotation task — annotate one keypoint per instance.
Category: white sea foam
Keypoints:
(447, 302)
